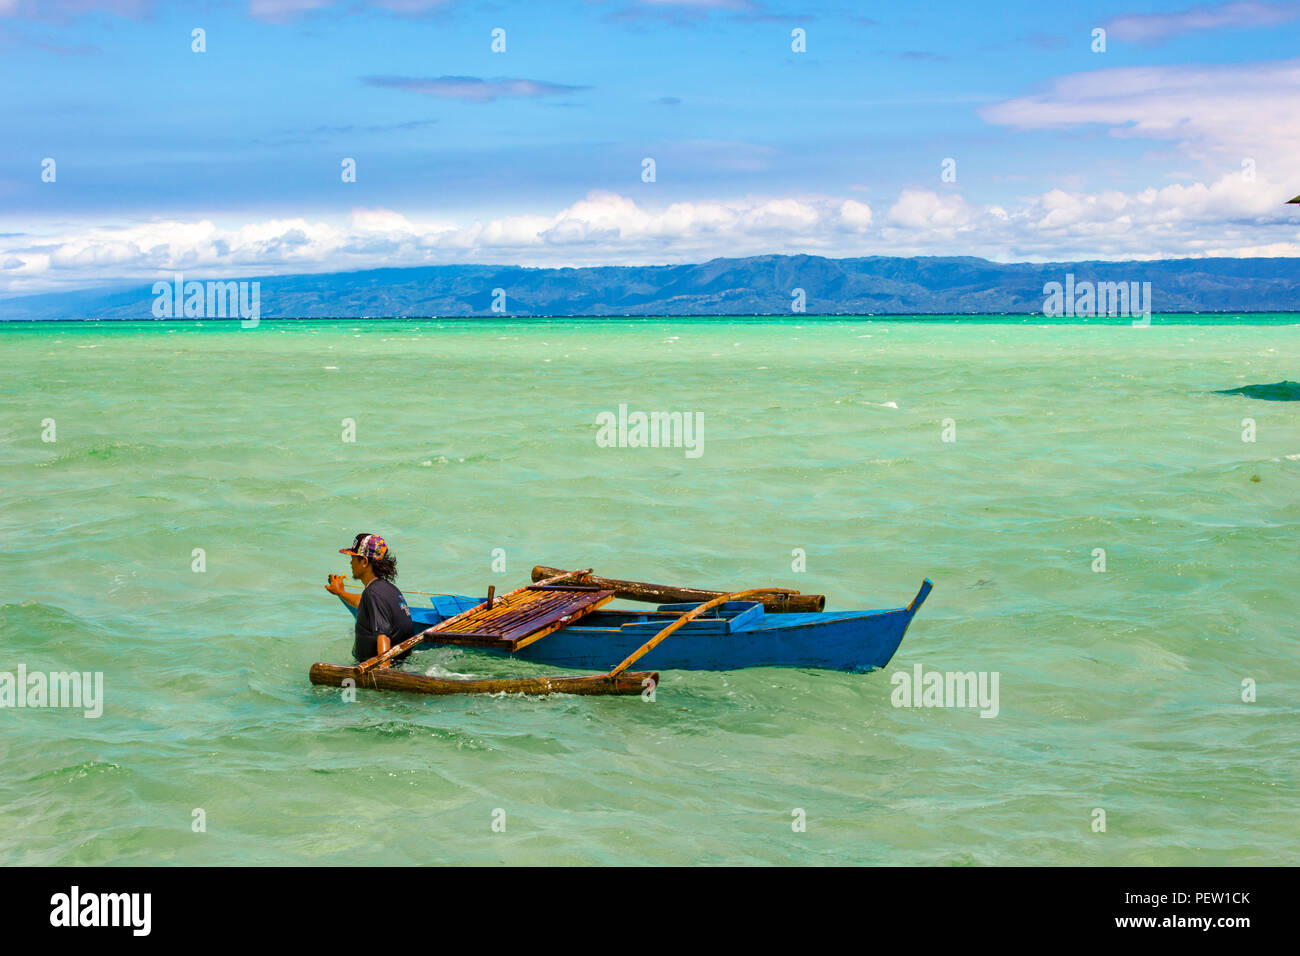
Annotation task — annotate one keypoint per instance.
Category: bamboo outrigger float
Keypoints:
(388, 679)
(558, 619)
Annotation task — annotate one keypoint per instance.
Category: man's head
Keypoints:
(369, 552)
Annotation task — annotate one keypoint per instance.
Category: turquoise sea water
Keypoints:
(1119, 690)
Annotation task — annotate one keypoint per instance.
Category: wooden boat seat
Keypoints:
(732, 616)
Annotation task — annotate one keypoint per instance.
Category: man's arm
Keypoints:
(383, 624)
(335, 585)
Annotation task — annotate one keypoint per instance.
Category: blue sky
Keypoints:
(1176, 140)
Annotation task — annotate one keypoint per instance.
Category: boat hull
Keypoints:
(854, 641)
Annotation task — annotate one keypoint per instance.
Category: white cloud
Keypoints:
(1233, 216)
(1220, 114)
(412, 6)
(925, 210)
(279, 11)
(62, 10)
(1155, 27)
(781, 215)
(472, 89)
(700, 4)
(855, 215)
(722, 4)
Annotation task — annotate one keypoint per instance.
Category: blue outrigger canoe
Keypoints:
(737, 634)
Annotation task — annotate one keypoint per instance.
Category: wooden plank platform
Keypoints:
(521, 617)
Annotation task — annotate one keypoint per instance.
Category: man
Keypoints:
(383, 618)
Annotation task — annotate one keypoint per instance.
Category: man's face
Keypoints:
(358, 565)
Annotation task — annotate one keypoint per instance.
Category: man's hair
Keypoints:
(385, 567)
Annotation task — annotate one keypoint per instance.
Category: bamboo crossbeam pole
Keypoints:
(783, 600)
(690, 615)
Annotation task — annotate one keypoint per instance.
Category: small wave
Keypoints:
(449, 460)
(445, 674)
(107, 452)
(80, 771)
(389, 728)
(438, 660)
(31, 618)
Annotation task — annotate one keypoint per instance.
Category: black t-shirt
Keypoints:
(382, 610)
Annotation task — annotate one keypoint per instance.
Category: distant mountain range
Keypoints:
(758, 285)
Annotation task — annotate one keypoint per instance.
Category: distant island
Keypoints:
(757, 285)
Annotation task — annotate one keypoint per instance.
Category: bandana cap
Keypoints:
(367, 546)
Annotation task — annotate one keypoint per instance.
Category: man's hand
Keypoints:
(335, 586)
